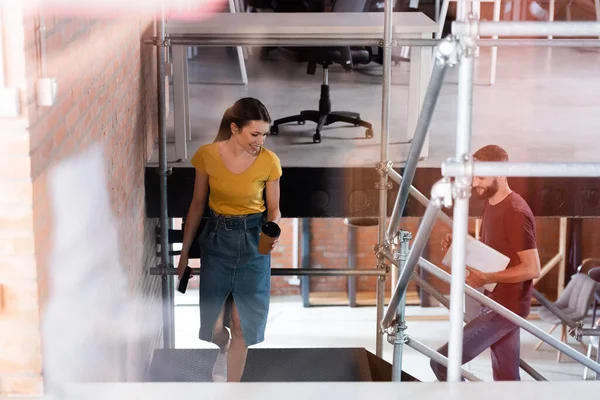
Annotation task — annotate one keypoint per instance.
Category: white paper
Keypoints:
(482, 257)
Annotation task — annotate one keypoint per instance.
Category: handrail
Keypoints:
(294, 271)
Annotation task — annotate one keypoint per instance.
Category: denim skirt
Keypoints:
(232, 269)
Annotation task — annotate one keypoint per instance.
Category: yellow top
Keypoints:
(236, 194)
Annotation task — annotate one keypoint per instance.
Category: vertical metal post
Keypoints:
(562, 250)
(419, 244)
(166, 281)
(305, 279)
(352, 244)
(462, 190)
(400, 338)
(443, 52)
(383, 180)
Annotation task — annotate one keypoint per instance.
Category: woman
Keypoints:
(235, 279)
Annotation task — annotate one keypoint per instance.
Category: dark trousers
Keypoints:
(491, 330)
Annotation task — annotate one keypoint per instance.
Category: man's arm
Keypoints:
(528, 269)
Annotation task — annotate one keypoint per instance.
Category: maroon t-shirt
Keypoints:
(509, 227)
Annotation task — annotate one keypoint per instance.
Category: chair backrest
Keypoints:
(349, 6)
(578, 294)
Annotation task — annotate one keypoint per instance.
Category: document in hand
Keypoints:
(482, 257)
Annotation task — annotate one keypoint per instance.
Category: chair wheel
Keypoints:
(317, 138)
(301, 122)
(274, 130)
(369, 133)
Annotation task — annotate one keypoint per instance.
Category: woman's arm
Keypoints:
(273, 193)
(195, 212)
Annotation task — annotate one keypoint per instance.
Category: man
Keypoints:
(509, 227)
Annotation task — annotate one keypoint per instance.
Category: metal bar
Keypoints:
(459, 244)
(555, 310)
(431, 96)
(399, 337)
(512, 29)
(168, 328)
(531, 371)
(352, 245)
(293, 271)
(306, 262)
(294, 41)
(514, 318)
(328, 272)
(383, 180)
(437, 357)
(430, 290)
(548, 267)
(553, 169)
(590, 331)
(538, 42)
(461, 212)
(562, 250)
(420, 197)
(413, 257)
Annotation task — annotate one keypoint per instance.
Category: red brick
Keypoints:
(54, 44)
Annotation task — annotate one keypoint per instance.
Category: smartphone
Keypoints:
(183, 282)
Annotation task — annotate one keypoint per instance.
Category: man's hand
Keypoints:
(446, 241)
(477, 279)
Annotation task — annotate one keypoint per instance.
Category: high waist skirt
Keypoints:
(232, 269)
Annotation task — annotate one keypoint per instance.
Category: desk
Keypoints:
(293, 29)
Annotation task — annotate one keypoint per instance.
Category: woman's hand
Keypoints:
(183, 263)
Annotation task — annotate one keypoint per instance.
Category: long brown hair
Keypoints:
(243, 112)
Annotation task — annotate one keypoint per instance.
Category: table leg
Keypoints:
(186, 109)
(420, 72)
(180, 101)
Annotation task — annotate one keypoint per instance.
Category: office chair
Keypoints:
(347, 57)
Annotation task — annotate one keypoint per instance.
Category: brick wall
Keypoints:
(107, 97)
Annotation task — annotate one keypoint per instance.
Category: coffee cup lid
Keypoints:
(271, 229)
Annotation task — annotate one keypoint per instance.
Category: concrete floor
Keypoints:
(541, 108)
(291, 325)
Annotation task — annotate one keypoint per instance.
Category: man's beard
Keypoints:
(488, 191)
